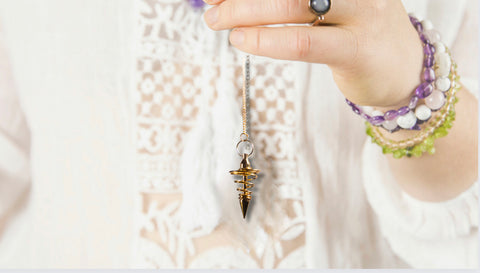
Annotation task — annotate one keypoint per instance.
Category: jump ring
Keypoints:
(244, 136)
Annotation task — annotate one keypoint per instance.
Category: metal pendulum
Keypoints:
(245, 149)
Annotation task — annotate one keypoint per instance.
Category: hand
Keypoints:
(374, 52)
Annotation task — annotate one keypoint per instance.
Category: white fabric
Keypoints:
(426, 235)
(97, 100)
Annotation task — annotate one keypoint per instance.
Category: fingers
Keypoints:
(330, 45)
(236, 13)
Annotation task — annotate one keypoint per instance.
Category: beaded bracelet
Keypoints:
(410, 117)
(436, 128)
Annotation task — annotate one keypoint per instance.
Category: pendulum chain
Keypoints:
(245, 148)
(245, 90)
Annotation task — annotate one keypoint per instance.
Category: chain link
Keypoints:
(245, 92)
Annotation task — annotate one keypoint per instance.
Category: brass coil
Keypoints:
(247, 184)
(248, 174)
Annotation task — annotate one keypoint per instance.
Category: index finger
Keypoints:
(327, 44)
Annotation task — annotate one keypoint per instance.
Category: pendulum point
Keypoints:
(244, 206)
(247, 174)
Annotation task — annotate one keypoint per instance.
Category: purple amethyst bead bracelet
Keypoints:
(436, 68)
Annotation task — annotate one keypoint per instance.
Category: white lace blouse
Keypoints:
(118, 125)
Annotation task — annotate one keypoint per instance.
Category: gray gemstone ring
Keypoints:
(319, 8)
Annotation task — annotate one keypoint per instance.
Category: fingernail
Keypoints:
(211, 16)
(237, 36)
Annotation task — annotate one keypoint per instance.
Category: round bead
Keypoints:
(427, 24)
(390, 125)
(443, 64)
(377, 113)
(407, 121)
(443, 84)
(377, 120)
(423, 112)
(433, 36)
(429, 75)
(436, 100)
(356, 109)
(413, 102)
(429, 61)
(367, 110)
(418, 26)
(423, 38)
(439, 47)
(403, 111)
(413, 18)
(428, 49)
(424, 90)
(365, 116)
(391, 115)
(320, 7)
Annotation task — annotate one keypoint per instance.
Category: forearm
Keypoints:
(453, 167)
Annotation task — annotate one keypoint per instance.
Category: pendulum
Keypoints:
(245, 149)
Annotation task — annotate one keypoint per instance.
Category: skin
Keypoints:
(376, 58)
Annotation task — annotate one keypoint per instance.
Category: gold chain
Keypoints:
(246, 86)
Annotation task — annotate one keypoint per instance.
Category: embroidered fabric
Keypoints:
(311, 212)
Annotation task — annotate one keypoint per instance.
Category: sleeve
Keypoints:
(423, 234)
(428, 234)
(14, 157)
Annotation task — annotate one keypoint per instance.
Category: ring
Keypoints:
(319, 8)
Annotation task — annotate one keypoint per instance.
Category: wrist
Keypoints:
(437, 64)
(409, 73)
